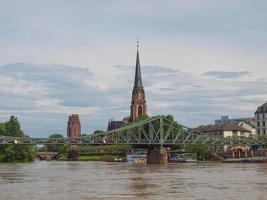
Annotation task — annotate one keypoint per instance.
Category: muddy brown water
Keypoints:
(102, 180)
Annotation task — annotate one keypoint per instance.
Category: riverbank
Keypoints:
(246, 160)
(108, 158)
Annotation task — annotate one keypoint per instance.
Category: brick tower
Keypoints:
(74, 126)
(138, 104)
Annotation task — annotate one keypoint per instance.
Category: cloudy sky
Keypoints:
(200, 59)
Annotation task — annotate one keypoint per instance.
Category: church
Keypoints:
(138, 104)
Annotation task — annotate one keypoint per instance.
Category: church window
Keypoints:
(140, 110)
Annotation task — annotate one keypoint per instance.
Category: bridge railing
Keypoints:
(155, 131)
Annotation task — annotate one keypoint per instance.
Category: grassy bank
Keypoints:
(96, 157)
(101, 158)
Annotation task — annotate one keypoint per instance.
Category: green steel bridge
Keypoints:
(153, 131)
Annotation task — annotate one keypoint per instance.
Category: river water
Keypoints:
(101, 180)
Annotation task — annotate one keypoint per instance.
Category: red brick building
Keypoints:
(74, 126)
(114, 124)
(138, 104)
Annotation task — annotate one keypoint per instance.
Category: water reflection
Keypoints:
(140, 185)
(11, 174)
(101, 180)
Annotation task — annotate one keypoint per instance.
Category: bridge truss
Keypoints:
(153, 131)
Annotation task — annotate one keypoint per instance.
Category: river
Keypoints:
(101, 180)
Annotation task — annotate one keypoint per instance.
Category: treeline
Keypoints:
(13, 152)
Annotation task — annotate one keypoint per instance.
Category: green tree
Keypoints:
(2, 129)
(142, 117)
(98, 131)
(15, 153)
(13, 127)
(201, 150)
(42, 148)
(60, 148)
(263, 139)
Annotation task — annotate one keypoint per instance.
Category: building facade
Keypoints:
(138, 103)
(114, 124)
(248, 126)
(225, 130)
(247, 123)
(261, 119)
(74, 126)
(228, 120)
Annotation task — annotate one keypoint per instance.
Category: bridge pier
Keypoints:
(157, 155)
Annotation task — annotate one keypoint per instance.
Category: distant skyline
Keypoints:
(199, 60)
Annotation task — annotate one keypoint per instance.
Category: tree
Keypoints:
(142, 117)
(2, 129)
(98, 131)
(15, 153)
(200, 149)
(60, 148)
(13, 127)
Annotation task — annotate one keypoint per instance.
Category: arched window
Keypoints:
(140, 110)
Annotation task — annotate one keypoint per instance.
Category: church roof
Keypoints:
(138, 76)
(262, 109)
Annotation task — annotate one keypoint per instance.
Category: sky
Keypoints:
(200, 59)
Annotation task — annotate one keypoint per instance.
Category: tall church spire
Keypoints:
(138, 76)
(138, 104)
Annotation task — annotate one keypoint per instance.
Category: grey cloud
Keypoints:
(221, 74)
(61, 81)
(199, 99)
(148, 69)
(192, 99)
(64, 86)
(158, 70)
(52, 75)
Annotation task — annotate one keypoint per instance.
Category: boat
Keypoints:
(175, 157)
(136, 156)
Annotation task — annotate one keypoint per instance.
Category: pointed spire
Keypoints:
(138, 77)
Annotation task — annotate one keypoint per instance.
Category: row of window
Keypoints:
(263, 132)
(220, 133)
(263, 123)
(263, 116)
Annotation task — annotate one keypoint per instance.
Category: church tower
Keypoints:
(74, 126)
(138, 104)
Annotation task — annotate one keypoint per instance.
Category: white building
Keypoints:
(261, 119)
(226, 130)
(248, 126)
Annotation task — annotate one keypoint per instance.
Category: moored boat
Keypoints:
(137, 156)
(175, 157)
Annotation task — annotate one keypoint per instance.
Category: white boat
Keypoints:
(137, 156)
(182, 157)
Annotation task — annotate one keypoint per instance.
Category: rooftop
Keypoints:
(262, 109)
(221, 127)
